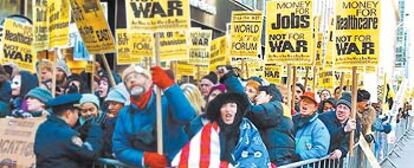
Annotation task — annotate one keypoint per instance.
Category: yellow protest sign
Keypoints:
(173, 46)
(40, 25)
(330, 44)
(122, 46)
(75, 66)
(218, 53)
(200, 46)
(273, 73)
(92, 26)
(357, 32)
(184, 69)
(245, 33)
(17, 45)
(289, 32)
(59, 18)
(17, 137)
(158, 15)
(133, 47)
(326, 79)
(319, 57)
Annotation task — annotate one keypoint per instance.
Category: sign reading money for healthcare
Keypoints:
(92, 26)
(17, 45)
(40, 25)
(200, 46)
(158, 15)
(218, 53)
(173, 46)
(289, 32)
(246, 28)
(357, 32)
(59, 17)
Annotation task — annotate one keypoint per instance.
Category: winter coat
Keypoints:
(108, 127)
(275, 129)
(135, 129)
(5, 92)
(367, 118)
(339, 138)
(312, 137)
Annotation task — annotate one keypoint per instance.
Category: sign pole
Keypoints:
(92, 72)
(108, 69)
(341, 83)
(315, 70)
(354, 107)
(306, 78)
(246, 68)
(158, 90)
(293, 88)
(54, 73)
(289, 87)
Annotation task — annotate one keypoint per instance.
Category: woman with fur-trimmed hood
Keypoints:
(229, 138)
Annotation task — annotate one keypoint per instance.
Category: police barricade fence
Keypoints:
(383, 155)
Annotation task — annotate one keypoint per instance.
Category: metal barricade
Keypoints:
(323, 162)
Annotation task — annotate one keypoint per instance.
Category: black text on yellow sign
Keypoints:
(289, 32)
(158, 15)
(357, 32)
(59, 17)
(218, 53)
(173, 46)
(17, 45)
(246, 28)
(200, 46)
(92, 26)
(40, 25)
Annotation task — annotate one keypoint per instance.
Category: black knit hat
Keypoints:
(345, 99)
(213, 108)
(211, 77)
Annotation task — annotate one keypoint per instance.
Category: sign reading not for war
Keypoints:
(245, 33)
(173, 46)
(17, 45)
(158, 15)
(218, 53)
(200, 46)
(59, 17)
(289, 32)
(357, 32)
(92, 26)
(40, 25)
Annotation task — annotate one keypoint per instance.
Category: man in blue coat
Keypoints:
(134, 139)
(58, 145)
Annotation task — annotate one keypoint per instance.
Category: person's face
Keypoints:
(205, 86)
(325, 95)
(60, 76)
(251, 92)
(337, 94)
(74, 83)
(327, 106)
(72, 116)
(34, 105)
(114, 107)
(342, 113)
(103, 88)
(16, 85)
(137, 84)
(298, 94)
(45, 74)
(363, 105)
(228, 113)
(307, 107)
(214, 94)
(89, 110)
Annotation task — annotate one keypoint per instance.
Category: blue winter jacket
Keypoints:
(135, 130)
(312, 138)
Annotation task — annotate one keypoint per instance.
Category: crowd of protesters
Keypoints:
(222, 120)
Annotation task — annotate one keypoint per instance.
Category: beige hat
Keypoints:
(137, 69)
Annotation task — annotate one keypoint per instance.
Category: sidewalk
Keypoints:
(406, 160)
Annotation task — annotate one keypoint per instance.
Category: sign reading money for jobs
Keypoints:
(40, 25)
(158, 15)
(200, 46)
(17, 45)
(289, 32)
(357, 32)
(59, 17)
(92, 26)
(246, 28)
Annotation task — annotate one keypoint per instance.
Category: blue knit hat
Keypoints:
(116, 95)
(41, 94)
(345, 99)
(89, 98)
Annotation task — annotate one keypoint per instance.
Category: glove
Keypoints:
(161, 78)
(369, 138)
(154, 160)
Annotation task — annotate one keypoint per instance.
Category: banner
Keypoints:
(92, 26)
(245, 34)
(200, 46)
(273, 73)
(218, 53)
(173, 46)
(17, 138)
(289, 32)
(40, 25)
(357, 32)
(59, 17)
(158, 15)
(17, 45)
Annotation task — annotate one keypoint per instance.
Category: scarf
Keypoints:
(143, 100)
